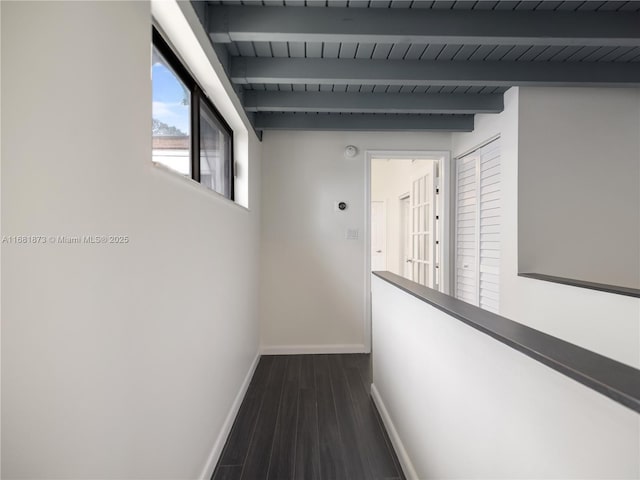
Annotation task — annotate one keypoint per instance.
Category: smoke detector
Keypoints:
(350, 151)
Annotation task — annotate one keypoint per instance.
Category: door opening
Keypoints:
(407, 219)
(403, 218)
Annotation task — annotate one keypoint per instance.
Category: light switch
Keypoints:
(352, 234)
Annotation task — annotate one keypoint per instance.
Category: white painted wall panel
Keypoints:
(605, 323)
(468, 407)
(579, 184)
(312, 276)
(118, 361)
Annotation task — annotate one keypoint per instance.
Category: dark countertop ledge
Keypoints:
(603, 287)
(613, 379)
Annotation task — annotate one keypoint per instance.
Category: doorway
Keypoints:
(407, 218)
(404, 218)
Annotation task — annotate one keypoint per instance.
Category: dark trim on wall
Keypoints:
(603, 287)
(195, 134)
(613, 379)
(176, 64)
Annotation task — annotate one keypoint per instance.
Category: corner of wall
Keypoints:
(216, 451)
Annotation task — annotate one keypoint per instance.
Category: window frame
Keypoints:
(198, 98)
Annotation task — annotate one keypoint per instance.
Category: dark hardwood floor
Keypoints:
(309, 417)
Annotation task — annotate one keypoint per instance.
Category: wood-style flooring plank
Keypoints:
(332, 451)
(377, 452)
(387, 441)
(307, 448)
(307, 372)
(228, 472)
(283, 454)
(356, 461)
(237, 445)
(365, 367)
(256, 467)
(309, 417)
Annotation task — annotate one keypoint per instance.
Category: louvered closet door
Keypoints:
(466, 229)
(478, 223)
(490, 220)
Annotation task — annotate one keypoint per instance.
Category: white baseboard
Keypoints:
(401, 452)
(311, 349)
(216, 451)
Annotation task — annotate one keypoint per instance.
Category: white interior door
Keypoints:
(378, 237)
(423, 252)
(489, 227)
(467, 228)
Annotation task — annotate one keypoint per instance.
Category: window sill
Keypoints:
(172, 174)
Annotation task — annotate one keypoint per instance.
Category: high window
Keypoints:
(189, 136)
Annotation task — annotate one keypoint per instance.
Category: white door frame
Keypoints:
(443, 157)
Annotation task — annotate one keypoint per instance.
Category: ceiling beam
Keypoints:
(257, 101)
(246, 70)
(363, 122)
(382, 25)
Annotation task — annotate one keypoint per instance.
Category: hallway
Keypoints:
(309, 417)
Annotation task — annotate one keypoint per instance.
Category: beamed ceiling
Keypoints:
(414, 65)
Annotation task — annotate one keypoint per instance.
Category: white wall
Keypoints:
(118, 361)
(605, 323)
(506, 415)
(579, 194)
(465, 406)
(390, 179)
(313, 279)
